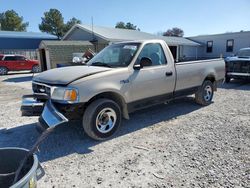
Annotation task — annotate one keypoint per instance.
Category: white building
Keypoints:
(224, 45)
(103, 36)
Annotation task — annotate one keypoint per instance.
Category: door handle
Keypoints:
(170, 73)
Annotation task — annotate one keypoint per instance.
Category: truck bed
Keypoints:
(197, 71)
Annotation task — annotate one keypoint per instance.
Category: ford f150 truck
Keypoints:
(120, 79)
(17, 63)
(238, 66)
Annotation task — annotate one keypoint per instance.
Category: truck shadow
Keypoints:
(236, 85)
(69, 139)
(19, 79)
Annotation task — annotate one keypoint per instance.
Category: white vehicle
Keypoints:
(122, 78)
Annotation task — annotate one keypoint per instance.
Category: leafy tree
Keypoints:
(52, 23)
(175, 31)
(71, 23)
(128, 25)
(120, 25)
(11, 21)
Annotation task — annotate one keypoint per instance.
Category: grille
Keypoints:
(239, 66)
(39, 88)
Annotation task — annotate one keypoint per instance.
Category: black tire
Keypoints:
(35, 69)
(227, 79)
(205, 93)
(3, 71)
(101, 108)
(40, 128)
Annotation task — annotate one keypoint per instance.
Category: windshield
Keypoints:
(115, 55)
(243, 53)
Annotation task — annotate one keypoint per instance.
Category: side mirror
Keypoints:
(145, 61)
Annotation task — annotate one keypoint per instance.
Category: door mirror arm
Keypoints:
(145, 61)
(137, 67)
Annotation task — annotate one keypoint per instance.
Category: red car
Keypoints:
(17, 63)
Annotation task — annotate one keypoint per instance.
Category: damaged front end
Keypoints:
(32, 105)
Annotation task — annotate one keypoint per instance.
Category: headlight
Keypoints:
(65, 94)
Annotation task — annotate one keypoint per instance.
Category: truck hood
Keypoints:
(66, 75)
(236, 58)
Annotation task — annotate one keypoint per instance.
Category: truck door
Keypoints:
(156, 82)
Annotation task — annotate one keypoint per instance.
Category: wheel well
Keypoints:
(212, 79)
(116, 98)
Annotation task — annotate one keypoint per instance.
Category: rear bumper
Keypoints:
(50, 116)
(32, 105)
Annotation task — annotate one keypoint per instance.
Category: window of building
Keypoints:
(230, 45)
(209, 46)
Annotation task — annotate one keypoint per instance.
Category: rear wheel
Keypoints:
(205, 93)
(101, 119)
(35, 69)
(3, 70)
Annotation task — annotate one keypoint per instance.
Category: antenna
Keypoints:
(92, 27)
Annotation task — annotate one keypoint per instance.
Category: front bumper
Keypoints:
(238, 75)
(51, 117)
(32, 105)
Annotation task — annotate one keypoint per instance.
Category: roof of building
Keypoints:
(31, 35)
(65, 43)
(222, 34)
(115, 35)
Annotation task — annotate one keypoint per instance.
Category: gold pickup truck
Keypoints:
(122, 78)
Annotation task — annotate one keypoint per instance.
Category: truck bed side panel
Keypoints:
(192, 74)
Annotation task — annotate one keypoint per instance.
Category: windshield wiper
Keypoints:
(100, 64)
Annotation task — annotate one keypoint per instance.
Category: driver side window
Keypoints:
(154, 52)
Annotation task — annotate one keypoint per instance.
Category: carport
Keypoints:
(23, 43)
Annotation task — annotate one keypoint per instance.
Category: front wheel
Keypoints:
(3, 70)
(205, 93)
(101, 119)
(227, 79)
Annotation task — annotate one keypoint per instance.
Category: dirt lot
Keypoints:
(180, 144)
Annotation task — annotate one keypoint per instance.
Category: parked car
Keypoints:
(238, 66)
(1, 56)
(17, 63)
(122, 78)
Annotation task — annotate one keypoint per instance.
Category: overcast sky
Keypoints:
(195, 17)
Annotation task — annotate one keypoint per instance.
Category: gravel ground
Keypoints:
(180, 144)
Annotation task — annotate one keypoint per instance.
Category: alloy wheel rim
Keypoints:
(2, 71)
(106, 120)
(36, 69)
(208, 93)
